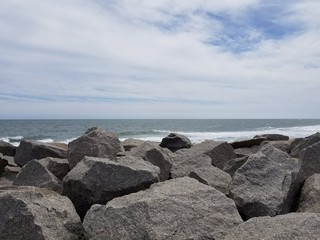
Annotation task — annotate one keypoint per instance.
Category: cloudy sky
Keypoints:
(159, 59)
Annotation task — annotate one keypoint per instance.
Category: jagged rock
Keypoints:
(130, 143)
(35, 174)
(160, 157)
(29, 150)
(267, 184)
(184, 161)
(310, 195)
(232, 165)
(246, 152)
(7, 148)
(247, 143)
(213, 177)
(180, 208)
(96, 142)
(3, 163)
(282, 145)
(299, 145)
(310, 159)
(175, 142)
(57, 166)
(297, 226)
(141, 150)
(29, 213)
(272, 137)
(219, 152)
(98, 180)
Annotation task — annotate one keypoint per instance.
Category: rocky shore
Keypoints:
(98, 187)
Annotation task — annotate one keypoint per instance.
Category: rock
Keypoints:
(299, 145)
(219, 152)
(57, 166)
(282, 145)
(96, 142)
(267, 184)
(213, 177)
(141, 150)
(181, 208)
(160, 157)
(310, 195)
(247, 143)
(98, 180)
(29, 150)
(29, 213)
(3, 163)
(35, 174)
(130, 143)
(310, 159)
(175, 141)
(185, 161)
(7, 148)
(234, 164)
(297, 226)
(242, 152)
(10, 160)
(272, 137)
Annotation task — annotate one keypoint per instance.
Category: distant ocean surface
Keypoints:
(13, 131)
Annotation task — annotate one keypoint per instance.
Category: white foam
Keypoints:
(46, 140)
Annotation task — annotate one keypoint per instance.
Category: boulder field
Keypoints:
(98, 188)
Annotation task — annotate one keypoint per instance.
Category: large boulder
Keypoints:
(213, 177)
(3, 163)
(310, 159)
(267, 184)
(242, 152)
(272, 137)
(29, 213)
(180, 208)
(96, 142)
(130, 143)
(7, 148)
(234, 164)
(219, 152)
(161, 158)
(247, 143)
(175, 141)
(35, 174)
(297, 226)
(29, 150)
(299, 144)
(142, 149)
(282, 145)
(57, 166)
(98, 180)
(310, 195)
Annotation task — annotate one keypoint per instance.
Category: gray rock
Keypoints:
(282, 145)
(213, 177)
(242, 152)
(273, 137)
(29, 150)
(234, 164)
(29, 213)
(185, 161)
(57, 166)
(160, 157)
(297, 226)
(310, 195)
(299, 145)
(247, 143)
(35, 174)
(96, 142)
(7, 148)
(267, 184)
(3, 163)
(310, 159)
(98, 180)
(141, 150)
(175, 142)
(181, 208)
(130, 143)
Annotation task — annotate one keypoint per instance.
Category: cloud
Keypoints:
(161, 58)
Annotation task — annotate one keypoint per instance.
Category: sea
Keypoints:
(197, 130)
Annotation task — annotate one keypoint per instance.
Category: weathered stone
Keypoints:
(242, 152)
(267, 184)
(141, 150)
(29, 213)
(297, 226)
(282, 145)
(247, 143)
(57, 166)
(29, 150)
(181, 208)
(272, 137)
(3, 163)
(160, 157)
(130, 143)
(35, 174)
(232, 165)
(175, 141)
(299, 145)
(213, 177)
(98, 180)
(184, 161)
(310, 159)
(310, 195)
(96, 142)
(7, 148)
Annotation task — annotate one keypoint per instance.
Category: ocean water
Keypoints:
(229, 130)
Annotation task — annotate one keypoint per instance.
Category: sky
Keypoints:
(159, 59)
